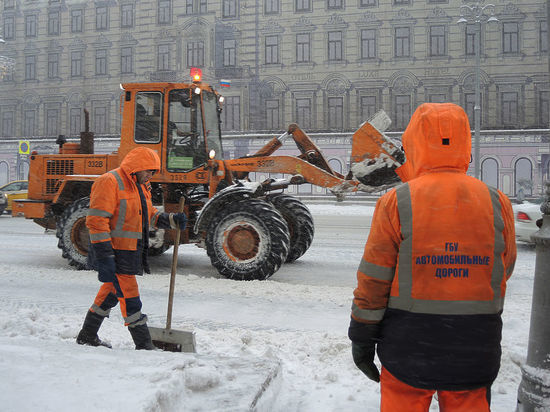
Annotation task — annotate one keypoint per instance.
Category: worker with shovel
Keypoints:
(432, 280)
(118, 221)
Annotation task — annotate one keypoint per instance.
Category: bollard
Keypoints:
(534, 389)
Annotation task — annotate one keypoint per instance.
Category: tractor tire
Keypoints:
(72, 232)
(299, 221)
(247, 240)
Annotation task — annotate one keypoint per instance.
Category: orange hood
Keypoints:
(437, 138)
(140, 158)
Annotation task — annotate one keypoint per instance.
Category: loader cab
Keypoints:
(180, 121)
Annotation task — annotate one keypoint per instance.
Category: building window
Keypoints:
(303, 5)
(303, 113)
(367, 3)
(52, 122)
(470, 32)
(229, 52)
(53, 65)
(100, 120)
(544, 108)
(101, 18)
(203, 6)
(489, 172)
(195, 54)
(127, 15)
(437, 41)
(271, 6)
(188, 7)
(163, 62)
(76, 21)
(437, 98)
(523, 171)
(368, 107)
(335, 4)
(31, 22)
(53, 23)
(334, 45)
(543, 36)
(509, 108)
(272, 114)
(76, 64)
(402, 111)
(510, 38)
(126, 60)
(231, 113)
(9, 28)
(9, 4)
(30, 68)
(271, 49)
(303, 47)
(7, 123)
(401, 2)
(164, 12)
(101, 62)
(229, 9)
(402, 42)
(75, 121)
(29, 123)
(368, 43)
(335, 113)
(469, 103)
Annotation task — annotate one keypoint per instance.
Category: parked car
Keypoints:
(13, 190)
(526, 215)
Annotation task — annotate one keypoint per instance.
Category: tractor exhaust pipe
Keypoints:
(86, 137)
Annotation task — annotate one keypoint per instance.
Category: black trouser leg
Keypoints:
(140, 334)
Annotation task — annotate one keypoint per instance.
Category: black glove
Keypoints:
(180, 220)
(364, 338)
(363, 356)
(106, 269)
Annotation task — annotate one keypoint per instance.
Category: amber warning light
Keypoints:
(196, 74)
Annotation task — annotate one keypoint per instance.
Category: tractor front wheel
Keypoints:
(72, 232)
(248, 240)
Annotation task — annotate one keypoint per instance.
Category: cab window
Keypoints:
(148, 117)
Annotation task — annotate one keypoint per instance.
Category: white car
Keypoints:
(526, 215)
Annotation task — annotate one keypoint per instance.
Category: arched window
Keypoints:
(523, 171)
(4, 173)
(489, 172)
(23, 170)
(336, 165)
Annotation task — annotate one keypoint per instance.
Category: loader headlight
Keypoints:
(212, 154)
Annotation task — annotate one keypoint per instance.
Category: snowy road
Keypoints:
(296, 321)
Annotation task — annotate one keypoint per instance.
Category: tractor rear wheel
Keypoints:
(299, 221)
(72, 232)
(247, 240)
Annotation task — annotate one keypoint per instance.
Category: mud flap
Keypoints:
(374, 157)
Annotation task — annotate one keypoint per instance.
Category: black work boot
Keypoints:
(142, 337)
(88, 333)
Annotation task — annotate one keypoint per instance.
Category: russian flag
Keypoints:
(225, 83)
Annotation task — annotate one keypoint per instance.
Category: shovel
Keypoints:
(169, 339)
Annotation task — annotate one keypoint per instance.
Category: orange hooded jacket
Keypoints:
(115, 216)
(437, 258)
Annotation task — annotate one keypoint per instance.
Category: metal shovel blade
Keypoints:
(173, 340)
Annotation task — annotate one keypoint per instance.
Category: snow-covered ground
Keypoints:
(277, 345)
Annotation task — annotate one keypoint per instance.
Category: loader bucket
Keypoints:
(374, 157)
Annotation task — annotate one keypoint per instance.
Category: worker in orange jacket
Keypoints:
(118, 220)
(433, 275)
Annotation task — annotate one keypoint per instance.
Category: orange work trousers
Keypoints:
(125, 288)
(397, 396)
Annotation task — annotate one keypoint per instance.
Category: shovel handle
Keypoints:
(181, 208)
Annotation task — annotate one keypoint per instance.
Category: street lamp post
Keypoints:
(478, 14)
